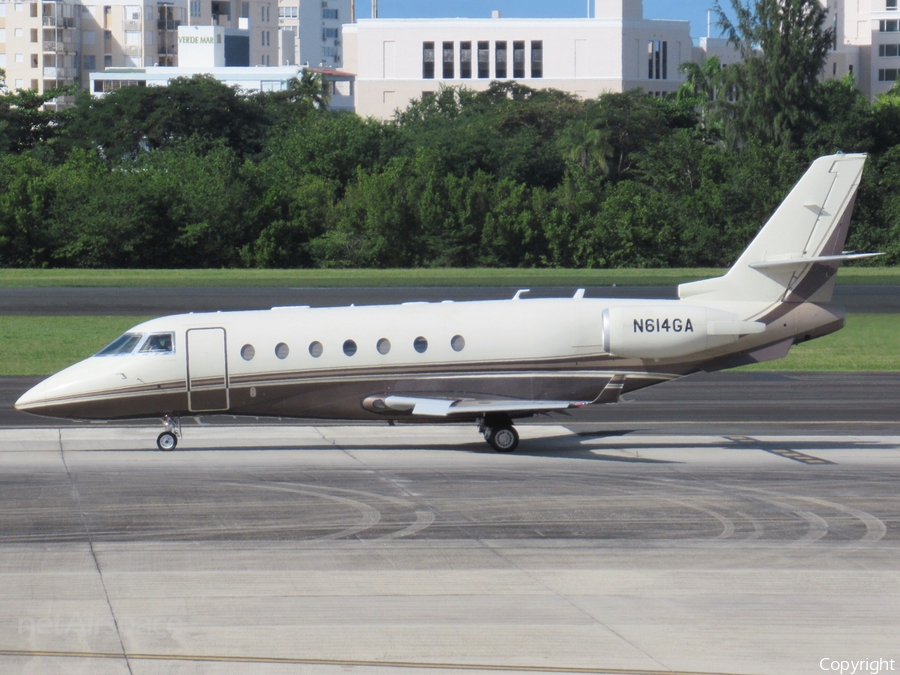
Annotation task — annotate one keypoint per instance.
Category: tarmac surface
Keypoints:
(104, 301)
(361, 549)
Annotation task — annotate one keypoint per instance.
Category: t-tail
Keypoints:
(796, 255)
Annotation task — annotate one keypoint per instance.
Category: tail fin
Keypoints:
(795, 256)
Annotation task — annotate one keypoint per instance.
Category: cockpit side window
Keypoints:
(159, 343)
(124, 344)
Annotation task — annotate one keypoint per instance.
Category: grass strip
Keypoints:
(522, 278)
(869, 342)
(41, 345)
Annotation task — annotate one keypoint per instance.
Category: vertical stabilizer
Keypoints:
(795, 256)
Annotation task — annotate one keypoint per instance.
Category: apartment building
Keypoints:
(44, 44)
(316, 28)
(398, 60)
(868, 43)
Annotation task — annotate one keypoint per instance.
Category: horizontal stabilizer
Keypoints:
(799, 261)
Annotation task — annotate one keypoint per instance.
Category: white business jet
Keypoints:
(488, 362)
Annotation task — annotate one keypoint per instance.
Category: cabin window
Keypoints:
(248, 352)
(383, 346)
(420, 344)
(124, 344)
(315, 349)
(159, 343)
(282, 350)
(349, 347)
(458, 342)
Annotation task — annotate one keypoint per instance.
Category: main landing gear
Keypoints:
(499, 433)
(168, 439)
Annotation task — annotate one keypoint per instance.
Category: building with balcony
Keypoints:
(317, 31)
(45, 44)
(867, 45)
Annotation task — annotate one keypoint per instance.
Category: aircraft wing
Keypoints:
(447, 407)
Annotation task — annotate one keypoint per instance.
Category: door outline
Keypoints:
(207, 397)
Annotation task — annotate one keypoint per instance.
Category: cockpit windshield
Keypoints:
(124, 344)
(154, 343)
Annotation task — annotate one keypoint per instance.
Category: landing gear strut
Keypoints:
(499, 433)
(168, 439)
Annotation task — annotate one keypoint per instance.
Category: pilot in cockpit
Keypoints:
(158, 343)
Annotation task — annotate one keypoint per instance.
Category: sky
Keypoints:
(689, 10)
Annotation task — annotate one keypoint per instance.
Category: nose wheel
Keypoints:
(168, 439)
(500, 434)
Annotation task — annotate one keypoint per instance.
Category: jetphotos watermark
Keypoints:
(83, 625)
(860, 667)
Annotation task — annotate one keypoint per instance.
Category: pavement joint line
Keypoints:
(90, 537)
(349, 662)
(794, 455)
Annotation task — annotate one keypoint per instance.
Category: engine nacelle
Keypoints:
(670, 330)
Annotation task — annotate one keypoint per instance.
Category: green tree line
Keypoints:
(197, 174)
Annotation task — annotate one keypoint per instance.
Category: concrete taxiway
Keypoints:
(317, 549)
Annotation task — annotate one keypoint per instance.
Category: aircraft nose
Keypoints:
(34, 399)
(50, 396)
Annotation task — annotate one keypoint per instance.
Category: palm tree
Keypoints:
(312, 87)
(585, 143)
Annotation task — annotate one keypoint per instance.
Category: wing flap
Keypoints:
(445, 407)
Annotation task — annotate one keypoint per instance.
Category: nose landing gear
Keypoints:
(168, 439)
(499, 433)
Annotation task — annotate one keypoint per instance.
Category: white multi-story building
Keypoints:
(317, 27)
(398, 60)
(867, 44)
(44, 44)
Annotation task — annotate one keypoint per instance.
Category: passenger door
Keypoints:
(207, 370)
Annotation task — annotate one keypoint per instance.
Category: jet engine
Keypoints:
(670, 330)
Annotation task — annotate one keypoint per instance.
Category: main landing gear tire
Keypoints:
(502, 439)
(166, 441)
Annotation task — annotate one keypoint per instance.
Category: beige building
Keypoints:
(398, 60)
(47, 44)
